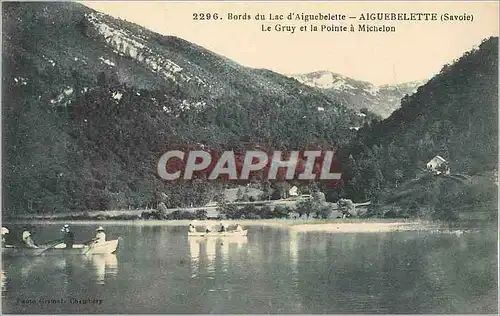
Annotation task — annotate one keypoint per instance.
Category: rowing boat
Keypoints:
(218, 234)
(60, 249)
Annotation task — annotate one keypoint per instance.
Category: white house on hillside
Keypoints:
(438, 165)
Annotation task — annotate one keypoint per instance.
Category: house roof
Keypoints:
(439, 158)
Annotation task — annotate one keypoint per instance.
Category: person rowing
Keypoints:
(27, 240)
(68, 236)
(5, 231)
(222, 228)
(100, 236)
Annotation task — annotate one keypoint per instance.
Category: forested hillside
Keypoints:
(454, 115)
(90, 103)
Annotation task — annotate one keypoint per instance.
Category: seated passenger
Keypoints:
(27, 240)
(222, 228)
(192, 229)
(100, 236)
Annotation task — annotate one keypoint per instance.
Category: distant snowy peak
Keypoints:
(330, 80)
(357, 94)
(325, 80)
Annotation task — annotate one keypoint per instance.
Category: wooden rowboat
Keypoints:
(78, 249)
(217, 234)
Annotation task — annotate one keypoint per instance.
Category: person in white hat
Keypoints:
(100, 236)
(28, 241)
(192, 229)
(239, 228)
(5, 231)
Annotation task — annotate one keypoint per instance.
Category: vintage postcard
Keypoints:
(189, 157)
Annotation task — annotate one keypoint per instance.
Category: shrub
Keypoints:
(201, 214)
(323, 212)
(281, 211)
(229, 211)
(247, 211)
(305, 207)
(374, 210)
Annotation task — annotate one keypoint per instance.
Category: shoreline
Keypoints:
(309, 225)
(364, 227)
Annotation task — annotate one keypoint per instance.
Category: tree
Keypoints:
(162, 209)
(230, 211)
(398, 176)
(201, 214)
(239, 194)
(281, 211)
(305, 207)
(413, 208)
(318, 198)
(248, 211)
(346, 206)
(374, 210)
(323, 212)
(266, 212)
(267, 191)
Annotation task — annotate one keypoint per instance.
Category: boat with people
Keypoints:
(62, 246)
(107, 247)
(222, 232)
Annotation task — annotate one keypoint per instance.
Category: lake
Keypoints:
(158, 269)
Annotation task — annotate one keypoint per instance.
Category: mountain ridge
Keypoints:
(358, 94)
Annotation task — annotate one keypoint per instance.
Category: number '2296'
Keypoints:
(205, 16)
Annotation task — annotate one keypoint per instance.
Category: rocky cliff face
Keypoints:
(124, 43)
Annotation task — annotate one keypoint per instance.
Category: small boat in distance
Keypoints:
(107, 247)
(233, 233)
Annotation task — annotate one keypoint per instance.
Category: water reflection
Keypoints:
(214, 254)
(210, 247)
(294, 251)
(238, 244)
(194, 255)
(4, 282)
(104, 265)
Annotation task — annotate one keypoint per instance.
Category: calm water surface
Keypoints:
(160, 270)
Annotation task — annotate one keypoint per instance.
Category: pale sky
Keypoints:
(416, 51)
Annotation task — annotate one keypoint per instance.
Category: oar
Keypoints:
(56, 242)
(89, 247)
(52, 241)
